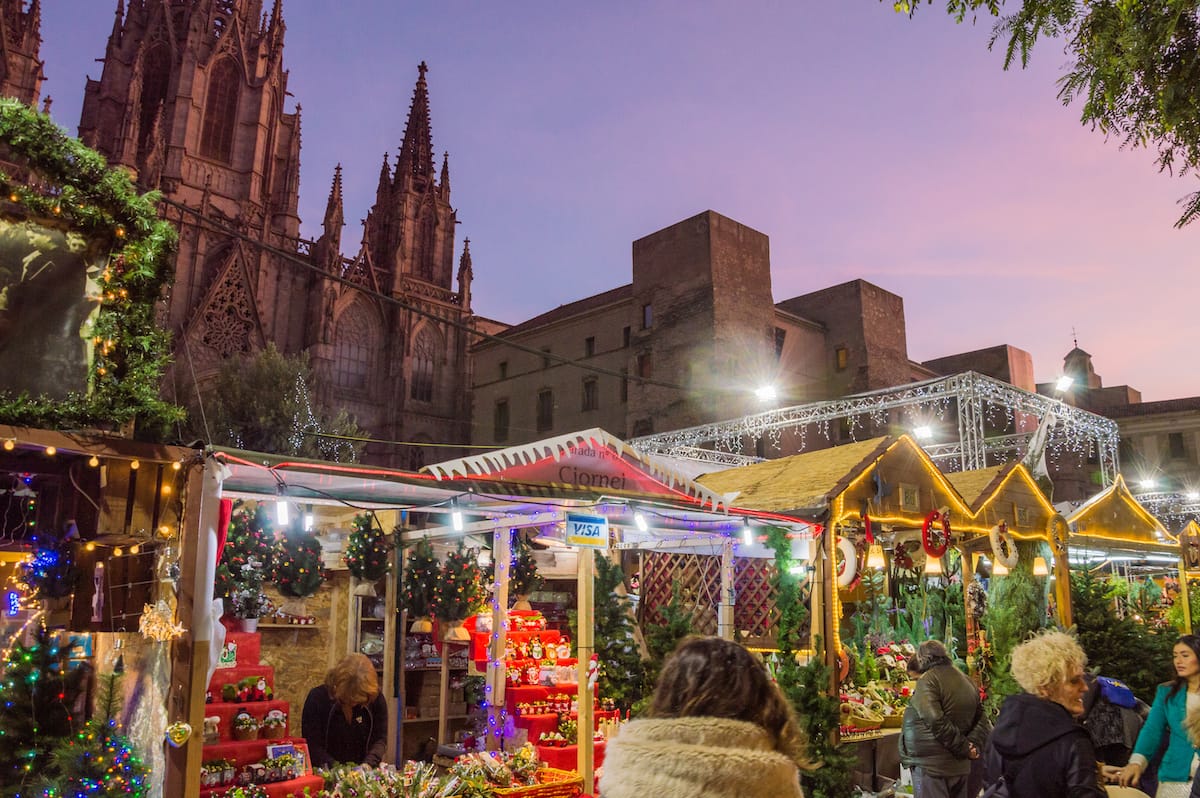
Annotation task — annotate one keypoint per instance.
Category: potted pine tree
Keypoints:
(459, 592)
(421, 574)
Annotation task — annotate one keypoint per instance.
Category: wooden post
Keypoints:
(725, 607)
(443, 731)
(585, 646)
(968, 578)
(1062, 585)
(495, 674)
(1183, 583)
(189, 668)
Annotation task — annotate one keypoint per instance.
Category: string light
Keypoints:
(51, 451)
(134, 465)
(10, 444)
(94, 461)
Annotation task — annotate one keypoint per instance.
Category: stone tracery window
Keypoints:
(156, 76)
(355, 344)
(425, 351)
(220, 111)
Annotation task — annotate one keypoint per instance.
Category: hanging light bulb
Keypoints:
(51, 451)
(747, 533)
(282, 513)
(134, 465)
(639, 519)
(999, 569)
(94, 461)
(875, 557)
(1039, 567)
(456, 516)
(10, 444)
(484, 558)
(178, 464)
(933, 566)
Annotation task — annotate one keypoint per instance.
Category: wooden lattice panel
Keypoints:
(755, 615)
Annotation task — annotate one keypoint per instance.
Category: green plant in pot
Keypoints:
(459, 592)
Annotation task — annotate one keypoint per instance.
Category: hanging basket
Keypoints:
(365, 588)
(421, 626)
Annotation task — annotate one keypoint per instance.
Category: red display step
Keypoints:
(224, 676)
(292, 788)
(248, 752)
(226, 711)
(248, 645)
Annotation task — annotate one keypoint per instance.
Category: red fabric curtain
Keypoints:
(224, 515)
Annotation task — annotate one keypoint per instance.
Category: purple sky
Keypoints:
(865, 144)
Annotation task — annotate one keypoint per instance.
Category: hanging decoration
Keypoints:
(935, 533)
(158, 623)
(297, 557)
(1057, 531)
(248, 542)
(460, 591)
(51, 574)
(131, 350)
(178, 733)
(367, 549)
(1004, 548)
(847, 567)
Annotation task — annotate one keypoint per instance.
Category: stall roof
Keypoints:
(800, 485)
(977, 486)
(1113, 518)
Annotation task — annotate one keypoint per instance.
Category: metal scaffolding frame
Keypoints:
(974, 399)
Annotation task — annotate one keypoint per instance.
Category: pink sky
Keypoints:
(865, 144)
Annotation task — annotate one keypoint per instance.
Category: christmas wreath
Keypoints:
(1057, 531)
(1004, 548)
(935, 534)
(847, 568)
(298, 572)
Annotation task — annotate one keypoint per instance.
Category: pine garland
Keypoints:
(37, 689)
(131, 350)
(421, 574)
(367, 550)
(298, 572)
(460, 590)
(101, 760)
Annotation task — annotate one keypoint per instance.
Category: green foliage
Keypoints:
(264, 402)
(1175, 613)
(1118, 646)
(1134, 65)
(367, 549)
(52, 573)
(421, 574)
(523, 578)
(808, 688)
(101, 760)
(297, 557)
(247, 553)
(661, 639)
(103, 205)
(37, 690)
(460, 591)
(1016, 609)
(621, 668)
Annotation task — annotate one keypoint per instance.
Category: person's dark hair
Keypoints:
(1180, 682)
(913, 666)
(712, 677)
(930, 654)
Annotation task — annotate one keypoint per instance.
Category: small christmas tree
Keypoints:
(248, 541)
(51, 574)
(524, 578)
(37, 691)
(298, 572)
(99, 761)
(460, 590)
(367, 550)
(620, 661)
(421, 574)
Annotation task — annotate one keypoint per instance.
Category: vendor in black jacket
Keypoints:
(1037, 745)
(346, 719)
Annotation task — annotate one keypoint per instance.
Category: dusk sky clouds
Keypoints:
(865, 144)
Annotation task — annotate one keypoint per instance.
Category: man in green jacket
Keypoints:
(944, 727)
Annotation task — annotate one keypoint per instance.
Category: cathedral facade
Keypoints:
(191, 101)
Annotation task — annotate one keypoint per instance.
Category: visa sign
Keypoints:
(587, 531)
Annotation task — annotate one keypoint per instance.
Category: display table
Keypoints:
(546, 723)
(566, 757)
(296, 788)
(878, 757)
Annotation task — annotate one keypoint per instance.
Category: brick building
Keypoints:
(192, 100)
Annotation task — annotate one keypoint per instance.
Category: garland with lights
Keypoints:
(100, 760)
(298, 572)
(421, 574)
(51, 574)
(367, 550)
(247, 541)
(130, 349)
(37, 690)
(460, 590)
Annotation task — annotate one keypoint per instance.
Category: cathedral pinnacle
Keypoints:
(416, 151)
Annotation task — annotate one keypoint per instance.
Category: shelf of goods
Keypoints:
(241, 685)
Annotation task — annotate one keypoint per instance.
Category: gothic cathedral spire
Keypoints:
(416, 151)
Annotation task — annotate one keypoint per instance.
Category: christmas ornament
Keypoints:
(158, 623)
(178, 733)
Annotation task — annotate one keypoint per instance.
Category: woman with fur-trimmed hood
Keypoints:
(717, 728)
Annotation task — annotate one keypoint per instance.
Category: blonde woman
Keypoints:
(345, 719)
(1037, 747)
(717, 727)
(1176, 707)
